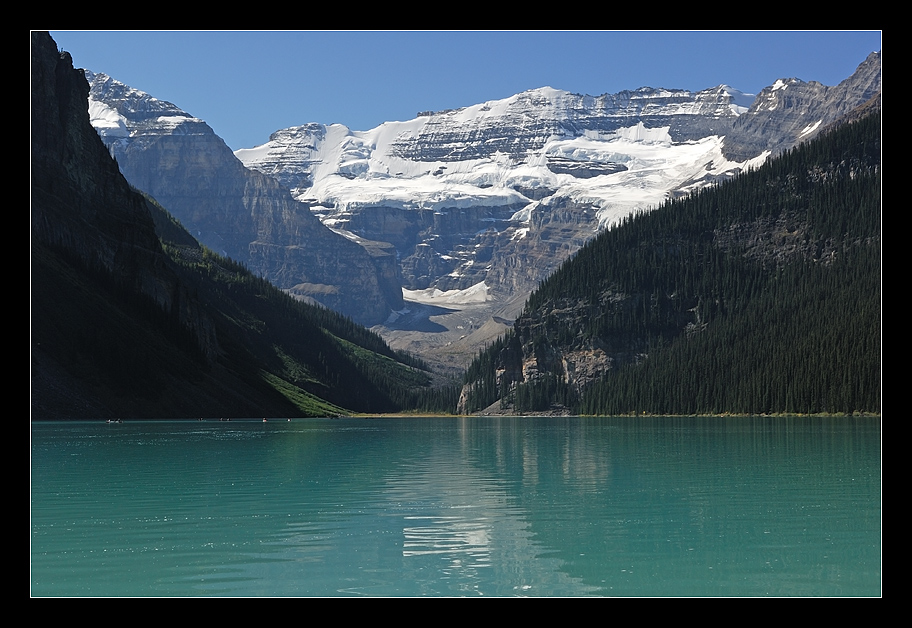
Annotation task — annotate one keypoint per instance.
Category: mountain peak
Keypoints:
(180, 161)
(791, 111)
(500, 192)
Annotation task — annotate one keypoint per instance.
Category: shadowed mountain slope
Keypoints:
(131, 317)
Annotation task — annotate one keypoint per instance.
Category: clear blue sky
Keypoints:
(248, 84)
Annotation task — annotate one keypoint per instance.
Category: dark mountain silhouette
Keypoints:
(131, 317)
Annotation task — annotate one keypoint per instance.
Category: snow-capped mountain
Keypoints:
(481, 203)
(528, 146)
(464, 210)
(502, 191)
(466, 194)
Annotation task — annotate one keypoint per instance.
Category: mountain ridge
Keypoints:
(527, 202)
(133, 318)
(489, 199)
(813, 108)
(180, 161)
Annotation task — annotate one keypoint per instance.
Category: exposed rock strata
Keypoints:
(541, 146)
(250, 217)
(791, 111)
(525, 125)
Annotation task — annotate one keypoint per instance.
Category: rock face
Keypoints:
(94, 244)
(791, 111)
(81, 205)
(528, 121)
(178, 160)
(76, 207)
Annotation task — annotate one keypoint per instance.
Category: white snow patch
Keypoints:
(524, 214)
(741, 102)
(473, 294)
(810, 128)
(640, 133)
(106, 120)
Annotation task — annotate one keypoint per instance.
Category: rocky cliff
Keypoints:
(178, 160)
(95, 254)
(792, 111)
(81, 204)
(132, 318)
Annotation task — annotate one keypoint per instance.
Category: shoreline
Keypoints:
(431, 415)
(724, 415)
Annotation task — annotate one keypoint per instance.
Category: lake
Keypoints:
(458, 507)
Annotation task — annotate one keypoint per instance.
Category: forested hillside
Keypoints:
(758, 295)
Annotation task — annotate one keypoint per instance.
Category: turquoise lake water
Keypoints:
(458, 507)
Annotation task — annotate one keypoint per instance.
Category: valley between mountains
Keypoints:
(654, 251)
(435, 230)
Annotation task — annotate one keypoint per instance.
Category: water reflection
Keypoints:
(471, 506)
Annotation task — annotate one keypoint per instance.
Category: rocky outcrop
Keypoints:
(792, 111)
(523, 254)
(582, 169)
(446, 248)
(243, 214)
